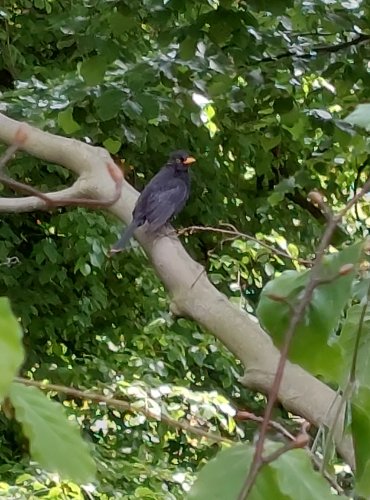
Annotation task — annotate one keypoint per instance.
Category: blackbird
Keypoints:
(162, 198)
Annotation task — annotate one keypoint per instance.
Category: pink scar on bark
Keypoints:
(21, 135)
(115, 172)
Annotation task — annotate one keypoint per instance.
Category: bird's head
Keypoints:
(181, 158)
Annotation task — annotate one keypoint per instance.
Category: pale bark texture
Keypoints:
(191, 292)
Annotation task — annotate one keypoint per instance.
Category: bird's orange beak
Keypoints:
(189, 160)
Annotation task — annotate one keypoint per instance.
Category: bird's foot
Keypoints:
(169, 231)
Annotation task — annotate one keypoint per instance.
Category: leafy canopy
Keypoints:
(258, 92)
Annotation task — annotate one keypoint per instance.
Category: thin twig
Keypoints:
(290, 445)
(123, 405)
(349, 388)
(10, 261)
(314, 280)
(235, 233)
(246, 415)
(300, 441)
(352, 375)
(346, 395)
(321, 428)
(319, 49)
(7, 156)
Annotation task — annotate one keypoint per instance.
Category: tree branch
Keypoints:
(69, 197)
(192, 293)
(237, 234)
(326, 49)
(30, 203)
(246, 415)
(81, 158)
(296, 317)
(119, 404)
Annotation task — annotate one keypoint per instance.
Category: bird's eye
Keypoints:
(179, 160)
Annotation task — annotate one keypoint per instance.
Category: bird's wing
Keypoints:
(162, 204)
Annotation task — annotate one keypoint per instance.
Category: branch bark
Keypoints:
(191, 292)
(31, 203)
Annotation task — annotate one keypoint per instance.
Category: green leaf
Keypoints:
(347, 340)
(54, 441)
(140, 77)
(220, 31)
(50, 251)
(93, 70)
(187, 47)
(149, 104)
(109, 104)
(11, 347)
(289, 477)
(321, 114)
(112, 145)
(276, 7)
(66, 121)
(120, 23)
(276, 198)
(220, 84)
(312, 345)
(283, 105)
(360, 116)
(270, 142)
(85, 269)
(361, 437)
(132, 109)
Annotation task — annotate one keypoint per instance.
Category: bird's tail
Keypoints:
(124, 239)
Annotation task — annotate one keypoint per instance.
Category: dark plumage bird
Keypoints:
(162, 198)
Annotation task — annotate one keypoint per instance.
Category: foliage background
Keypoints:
(257, 92)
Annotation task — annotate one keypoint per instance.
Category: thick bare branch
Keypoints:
(192, 293)
(91, 163)
(30, 203)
